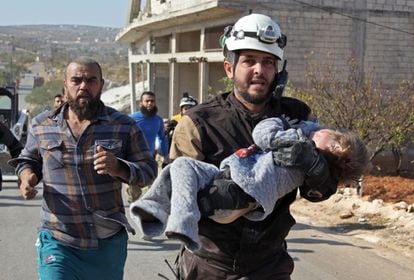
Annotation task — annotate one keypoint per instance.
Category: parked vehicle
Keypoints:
(16, 120)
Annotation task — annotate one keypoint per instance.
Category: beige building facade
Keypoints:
(176, 42)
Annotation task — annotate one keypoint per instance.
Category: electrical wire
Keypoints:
(353, 17)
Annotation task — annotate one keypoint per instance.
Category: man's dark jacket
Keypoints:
(226, 126)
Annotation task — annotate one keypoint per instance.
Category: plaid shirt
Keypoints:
(72, 190)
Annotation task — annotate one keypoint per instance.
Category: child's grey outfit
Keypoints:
(172, 198)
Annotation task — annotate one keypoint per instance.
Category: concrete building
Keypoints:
(176, 42)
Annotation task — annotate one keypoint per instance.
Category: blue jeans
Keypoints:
(57, 261)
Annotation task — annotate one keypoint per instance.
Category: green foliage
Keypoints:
(383, 118)
(227, 86)
(23, 57)
(3, 78)
(116, 69)
(41, 98)
(59, 59)
(15, 64)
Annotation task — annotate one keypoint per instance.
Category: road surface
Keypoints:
(318, 254)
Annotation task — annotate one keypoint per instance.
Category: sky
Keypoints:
(106, 13)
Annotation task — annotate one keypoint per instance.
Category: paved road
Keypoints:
(323, 255)
(318, 254)
(18, 222)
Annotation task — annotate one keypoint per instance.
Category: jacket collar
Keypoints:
(267, 112)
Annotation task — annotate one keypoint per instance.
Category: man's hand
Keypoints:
(290, 121)
(106, 162)
(319, 187)
(319, 182)
(27, 182)
(222, 194)
(302, 154)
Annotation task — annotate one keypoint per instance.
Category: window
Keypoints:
(212, 37)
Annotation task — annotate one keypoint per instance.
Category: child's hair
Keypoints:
(351, 161)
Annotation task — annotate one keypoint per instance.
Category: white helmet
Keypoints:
(255, 32)
(188, 100)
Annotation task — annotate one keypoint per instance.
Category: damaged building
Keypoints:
(176, 42)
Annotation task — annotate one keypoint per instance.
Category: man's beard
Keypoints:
(85, 110)
(250, 98)
(148, 113)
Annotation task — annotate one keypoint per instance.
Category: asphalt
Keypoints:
(19, 220)
(319, 254)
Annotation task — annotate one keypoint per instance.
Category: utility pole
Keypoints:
(11, 82)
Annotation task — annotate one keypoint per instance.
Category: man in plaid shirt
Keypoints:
(83, 152)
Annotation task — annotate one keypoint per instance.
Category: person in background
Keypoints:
(152, 126)
(13, 145)
(58, 100)
(213, 130)
(169, 126)
(83, 152)
(186, 103)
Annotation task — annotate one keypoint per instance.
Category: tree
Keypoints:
(383, 118)
(41, 98)
(227, 86)
(14, 66)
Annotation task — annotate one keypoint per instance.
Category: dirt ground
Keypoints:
(376, 216)
(389, 189)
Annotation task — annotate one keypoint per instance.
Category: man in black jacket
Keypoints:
(213, 130)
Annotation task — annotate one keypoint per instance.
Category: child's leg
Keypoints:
(188, 176)
(150, 212)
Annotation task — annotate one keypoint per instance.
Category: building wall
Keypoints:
(187, 81)
(372, 31)
(376, 33)
(160, 87)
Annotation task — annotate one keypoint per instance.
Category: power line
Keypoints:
(353, 17)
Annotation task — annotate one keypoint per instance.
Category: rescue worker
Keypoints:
(186, 103)
(244, 249)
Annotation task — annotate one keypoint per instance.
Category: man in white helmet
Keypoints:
(213, 130)
(186, 103)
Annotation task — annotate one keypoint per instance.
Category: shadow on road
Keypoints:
(317, 239)
(300, 251)
(19, 197)
(348, 227)
(23, 204)
(340, 228)
(18, 200)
